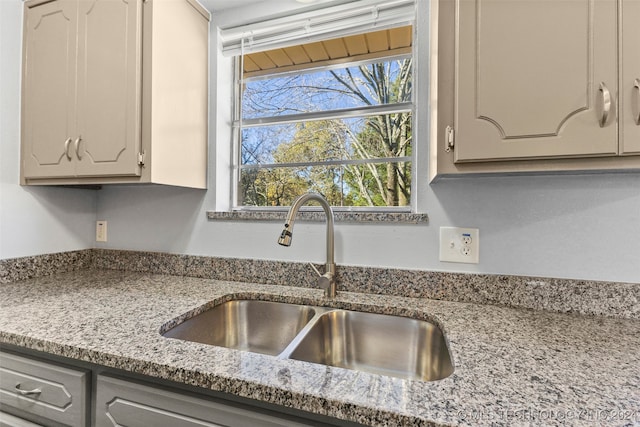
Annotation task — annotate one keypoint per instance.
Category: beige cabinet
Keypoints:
(115, 91)
(630, 77)
(533, 85)
(49, 89)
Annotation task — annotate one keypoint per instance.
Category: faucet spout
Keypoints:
(327, 280)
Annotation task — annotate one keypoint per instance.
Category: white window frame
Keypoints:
(424, 74)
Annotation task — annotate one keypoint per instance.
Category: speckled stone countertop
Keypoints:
(512, 366)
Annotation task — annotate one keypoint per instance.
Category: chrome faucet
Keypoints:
(327, 280)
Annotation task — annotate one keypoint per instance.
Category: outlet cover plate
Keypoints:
(101, 231)
(460, 245)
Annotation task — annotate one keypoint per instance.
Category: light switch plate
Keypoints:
(460, 245)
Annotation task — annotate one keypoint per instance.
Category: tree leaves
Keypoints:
(300, 148)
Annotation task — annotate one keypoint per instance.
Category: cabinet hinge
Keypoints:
(449, 139)
(141, 158)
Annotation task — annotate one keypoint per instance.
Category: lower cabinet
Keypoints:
(125, 403)
(48, 393)
(36, 391)
(8, 420)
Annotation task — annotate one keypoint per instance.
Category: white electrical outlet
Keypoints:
(460, 245)
(101, 231)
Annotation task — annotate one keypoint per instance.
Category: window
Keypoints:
(325, 102)
(340, 125)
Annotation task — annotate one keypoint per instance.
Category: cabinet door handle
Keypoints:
(34, 392)
(636, 85)
(606, 104)
(67, 144)
(77, 147)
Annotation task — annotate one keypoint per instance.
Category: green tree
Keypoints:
(382, 136)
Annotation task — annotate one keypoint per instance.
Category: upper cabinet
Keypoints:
(81, 99)
(49, 86)
(630, 76)
(532, 85)
(115, 91)
(535, 79)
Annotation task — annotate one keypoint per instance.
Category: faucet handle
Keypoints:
(315, 269)
(325, 281)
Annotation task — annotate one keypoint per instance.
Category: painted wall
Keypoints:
(568, 226)
(571, 226)
(33, 220)
(581, 227)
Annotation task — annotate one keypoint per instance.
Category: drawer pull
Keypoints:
(34, 392)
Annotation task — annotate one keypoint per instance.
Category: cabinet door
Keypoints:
(48, 99)
(109, 87)
(8, 420)
(124, 403)
(528, 79)
(630, 77)
(39, 388)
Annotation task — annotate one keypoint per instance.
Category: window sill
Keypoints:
(318, 216)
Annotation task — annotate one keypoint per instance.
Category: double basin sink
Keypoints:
(376, 343)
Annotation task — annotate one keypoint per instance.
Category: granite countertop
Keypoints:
(512, 366)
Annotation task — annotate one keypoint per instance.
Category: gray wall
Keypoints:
(567, 226)
(572, 226)
(581, 227)
(33, 221)
(560, 226)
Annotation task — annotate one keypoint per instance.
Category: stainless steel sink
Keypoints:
(376, 343)
(258, 326)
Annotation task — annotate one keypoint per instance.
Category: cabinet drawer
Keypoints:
(124, 403)
(8, 420)
(43, 389)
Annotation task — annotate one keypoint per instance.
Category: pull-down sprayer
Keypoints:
(326, 281)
